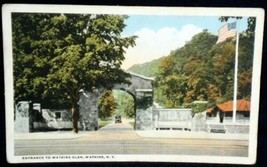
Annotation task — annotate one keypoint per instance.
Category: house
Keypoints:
(223, 113)
(219, 119)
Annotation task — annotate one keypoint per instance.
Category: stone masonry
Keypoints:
(141, 88)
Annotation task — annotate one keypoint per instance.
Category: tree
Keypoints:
(223, 71)
(221, 88)
(56, 55)
(173, 88)
(107, 105)
(184, 74)
(125, 104)
(204, 70)
(245, 56)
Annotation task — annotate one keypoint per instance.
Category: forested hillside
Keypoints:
(201, 70)
(149, 69)
(204, 70)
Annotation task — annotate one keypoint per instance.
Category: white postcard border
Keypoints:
(7, 9)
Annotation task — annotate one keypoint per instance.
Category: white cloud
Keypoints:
(152, 44)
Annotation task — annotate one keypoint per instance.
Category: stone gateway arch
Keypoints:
(141, 88)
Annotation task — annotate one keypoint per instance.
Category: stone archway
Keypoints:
(142, 90)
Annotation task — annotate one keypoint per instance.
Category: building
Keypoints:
(223, 113)
(220, 118)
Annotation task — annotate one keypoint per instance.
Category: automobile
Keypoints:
(117, 119)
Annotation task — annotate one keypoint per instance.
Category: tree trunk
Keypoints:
(220, 93)
(74, 111)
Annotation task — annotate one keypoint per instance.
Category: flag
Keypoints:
(231, 26)
(227, 31)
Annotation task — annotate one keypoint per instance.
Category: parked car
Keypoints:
(117, 119)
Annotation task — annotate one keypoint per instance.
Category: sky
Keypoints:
(158, 35)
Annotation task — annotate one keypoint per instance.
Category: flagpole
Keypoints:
(236, 76)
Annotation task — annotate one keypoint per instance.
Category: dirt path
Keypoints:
(113, 132)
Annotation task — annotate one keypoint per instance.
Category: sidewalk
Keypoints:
(49, 135)
(144, 134)
(190, 135)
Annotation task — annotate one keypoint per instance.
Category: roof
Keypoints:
(209, 110)
(242, 105)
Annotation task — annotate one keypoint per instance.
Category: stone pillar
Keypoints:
(88, 111)
(199, 115)
(23, 119)
(144, 111)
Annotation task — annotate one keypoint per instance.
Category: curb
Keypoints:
(48, 136)
(190, 135)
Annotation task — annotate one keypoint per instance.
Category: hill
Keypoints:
(149, 69)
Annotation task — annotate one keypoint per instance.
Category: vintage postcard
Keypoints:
(131, 84)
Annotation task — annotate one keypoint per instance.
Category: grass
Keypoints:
(131, 123)
(103, 123)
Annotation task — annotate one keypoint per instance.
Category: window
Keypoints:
(58, 115)
(228, 114)
(247, 114)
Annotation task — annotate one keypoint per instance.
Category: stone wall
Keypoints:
(172, 119)
(199, 122)
(53, 119)
(30, 117)
(240, 129)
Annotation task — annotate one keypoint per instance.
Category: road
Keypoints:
(120, 138)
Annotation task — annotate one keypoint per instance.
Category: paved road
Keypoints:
(120, 138)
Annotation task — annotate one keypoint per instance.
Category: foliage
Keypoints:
(125, 104)
(144, 102)
(198, 107)
(149, 69)
(203, 70)
(56, 55)
(169, 86)
(107, 105)
(184, 74)
(103, 123)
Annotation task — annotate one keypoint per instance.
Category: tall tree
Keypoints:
(223, 71)
(204, 70)
(56, 55)
(245, 56)
(107, 105)
(184, 74)
(125, 104)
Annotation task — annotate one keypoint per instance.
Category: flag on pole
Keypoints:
(231, 26)
(236, 75)
(227, 31)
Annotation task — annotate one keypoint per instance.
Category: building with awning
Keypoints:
(224, 112)
(219, 119)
